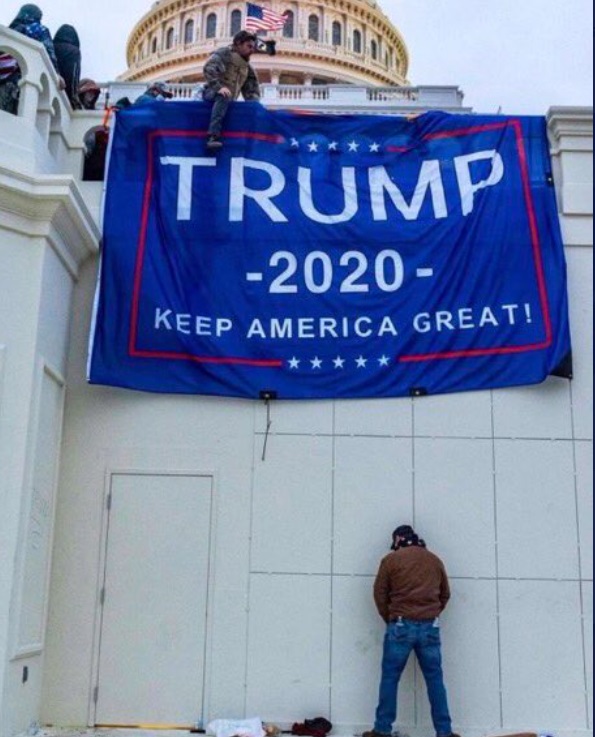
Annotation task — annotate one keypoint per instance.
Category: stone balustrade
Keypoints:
(332, 97)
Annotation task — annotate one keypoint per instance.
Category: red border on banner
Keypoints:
(277, 363)
(140, 254)
(535, 246)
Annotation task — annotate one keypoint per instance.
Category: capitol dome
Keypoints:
(338, 42)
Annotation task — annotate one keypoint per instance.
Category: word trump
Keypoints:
(381, 188)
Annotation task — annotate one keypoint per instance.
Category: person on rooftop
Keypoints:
(88, 92)
(228, 73)
(27, 22)
(158, 91)
(68, 54)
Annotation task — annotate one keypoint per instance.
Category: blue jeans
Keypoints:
(402, 636)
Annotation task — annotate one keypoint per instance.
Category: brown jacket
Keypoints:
(411, 583)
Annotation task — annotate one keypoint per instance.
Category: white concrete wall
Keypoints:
(35, 306)
(46, 231)
(18, 290)
(498, 482)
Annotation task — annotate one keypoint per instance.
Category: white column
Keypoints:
(571, 137)
(28, 98)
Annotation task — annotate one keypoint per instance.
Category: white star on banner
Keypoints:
(313, 146)
(361, 362)
(338, 361)
(316, 362)
(374, 147)
(294, 362)
(353, 146)
(294, 143)
(383, 360)
(333, 146)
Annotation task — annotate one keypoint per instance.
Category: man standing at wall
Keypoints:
(228, 73)
(410, 592)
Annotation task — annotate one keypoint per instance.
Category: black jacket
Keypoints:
(68, 54)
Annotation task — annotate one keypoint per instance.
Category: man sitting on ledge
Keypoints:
(228, 73)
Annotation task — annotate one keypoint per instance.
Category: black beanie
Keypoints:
(408, 538)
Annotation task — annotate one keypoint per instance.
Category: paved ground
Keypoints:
(105, 732)
(122, 732)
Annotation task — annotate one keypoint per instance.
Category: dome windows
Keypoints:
(337, 33)
(211, 26)
(189, 32)
(235, 22)
(288, 31)
(357, 41)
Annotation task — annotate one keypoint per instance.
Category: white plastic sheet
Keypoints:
(232, 727)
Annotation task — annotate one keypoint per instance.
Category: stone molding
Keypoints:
(51, 207)
(571, 138)
(571, 128)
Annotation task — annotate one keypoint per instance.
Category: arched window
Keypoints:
(211, 31)
(169, 38)
(288, 27)
(153, 45)
(336, 32)
(189, 32)
(235, 23)
(357, 42)
(374, 49)
(313, 28)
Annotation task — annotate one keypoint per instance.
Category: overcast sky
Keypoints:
(519, 56)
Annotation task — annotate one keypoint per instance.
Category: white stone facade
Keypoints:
(345, 41)
(498, 482)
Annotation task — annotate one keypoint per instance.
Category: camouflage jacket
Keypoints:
(226, 68)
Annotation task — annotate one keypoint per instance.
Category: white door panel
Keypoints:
(151, 655)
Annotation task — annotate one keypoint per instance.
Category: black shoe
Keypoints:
(374, 733)
(213, 143)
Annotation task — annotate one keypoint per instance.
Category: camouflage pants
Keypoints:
(220, 105)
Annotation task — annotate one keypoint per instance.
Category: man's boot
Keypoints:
(214, 143)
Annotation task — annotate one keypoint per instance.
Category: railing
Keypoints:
(332, 97)
(393, 94)
(295, 93)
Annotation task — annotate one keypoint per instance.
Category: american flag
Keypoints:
(258, 18)
(8, 65)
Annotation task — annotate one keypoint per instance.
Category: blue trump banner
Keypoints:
(328, 256)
